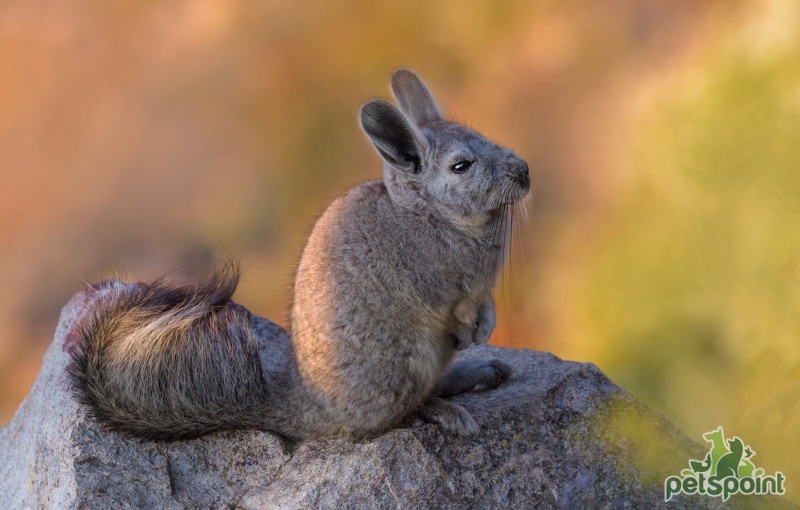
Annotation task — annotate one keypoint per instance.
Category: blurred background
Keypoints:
(663, 236)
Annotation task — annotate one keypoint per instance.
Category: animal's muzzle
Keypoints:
(518, 171)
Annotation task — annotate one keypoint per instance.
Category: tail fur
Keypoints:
(164, 361)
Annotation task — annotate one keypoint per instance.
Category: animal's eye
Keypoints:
(460, 167)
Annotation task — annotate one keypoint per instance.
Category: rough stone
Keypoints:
(559, 435)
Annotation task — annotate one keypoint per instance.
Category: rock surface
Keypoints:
(558, 435)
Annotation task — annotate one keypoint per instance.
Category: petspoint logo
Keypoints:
(726, 470)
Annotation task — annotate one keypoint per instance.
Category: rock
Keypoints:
(560, 434)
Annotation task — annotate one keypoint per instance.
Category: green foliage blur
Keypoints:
(690, 295)
(661, 241)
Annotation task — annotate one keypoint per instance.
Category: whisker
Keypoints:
(496, 246)
(488, 241)
(486, 255)
(506, 246)
(521, 225)
(503, 289)
(496, 261)
(84, 281)
(510, 244)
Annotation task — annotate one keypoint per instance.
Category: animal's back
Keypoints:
(366, 339)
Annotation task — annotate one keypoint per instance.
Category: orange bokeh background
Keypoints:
(661, 237)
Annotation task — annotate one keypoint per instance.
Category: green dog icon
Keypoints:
(718, 448)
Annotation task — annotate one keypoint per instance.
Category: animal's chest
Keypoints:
(456, 273)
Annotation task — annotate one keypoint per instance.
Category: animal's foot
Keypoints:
(450, 416)
(495, 373)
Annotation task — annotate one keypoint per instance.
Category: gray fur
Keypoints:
(414, 98)
(466, 375)
(396, 275)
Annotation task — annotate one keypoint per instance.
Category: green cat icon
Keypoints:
(728, 464)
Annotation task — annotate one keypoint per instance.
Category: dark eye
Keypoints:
(460, 167)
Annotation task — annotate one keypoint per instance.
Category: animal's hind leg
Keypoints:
(467, 374)
(451, 416)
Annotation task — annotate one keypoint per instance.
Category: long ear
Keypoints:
(414, 97)
(390, 132)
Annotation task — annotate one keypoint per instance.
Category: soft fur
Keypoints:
(395, 277)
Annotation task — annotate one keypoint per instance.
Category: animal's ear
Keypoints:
(414, 97)
(396, 140)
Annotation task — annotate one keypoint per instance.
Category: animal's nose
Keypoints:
(519, 172)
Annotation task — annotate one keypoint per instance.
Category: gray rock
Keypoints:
(559, 435)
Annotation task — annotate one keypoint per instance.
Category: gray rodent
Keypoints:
(395, 277)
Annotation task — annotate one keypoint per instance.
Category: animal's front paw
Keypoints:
(486, 322)
(483, 332)
(450, 416)
(463, 338)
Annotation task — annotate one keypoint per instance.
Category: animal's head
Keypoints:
(736, 445)
(714, 435)
(432, 161)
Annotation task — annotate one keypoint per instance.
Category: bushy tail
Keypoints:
(163, 361)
